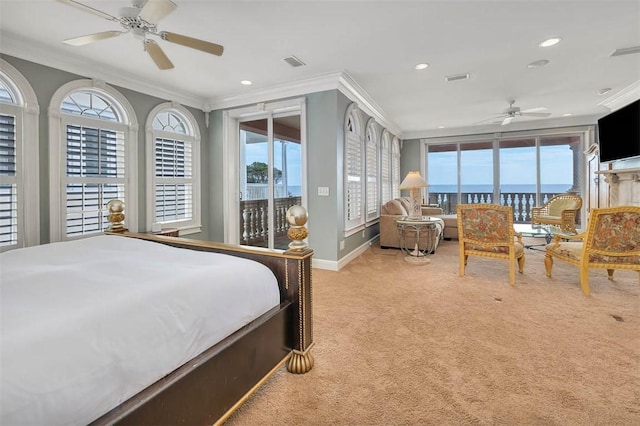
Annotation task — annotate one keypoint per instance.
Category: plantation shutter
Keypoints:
(8, 182)
(372, 177)
(95, 175)
(385, 171)
(354, 190)
(174, 180)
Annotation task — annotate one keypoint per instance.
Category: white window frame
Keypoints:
(26, 111)
(372, 172)
(192, 136)
(57, 152)
(356, 140)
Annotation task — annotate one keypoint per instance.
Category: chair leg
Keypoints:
(463, 262)
(610, 274)
(521, 264)
(584, 281)
(548, 264)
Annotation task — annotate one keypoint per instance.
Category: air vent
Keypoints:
(293, 61)
(457, 77)
(626, 51)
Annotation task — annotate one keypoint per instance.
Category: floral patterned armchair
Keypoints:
(486, 230)
(560, 210)
(612, 241)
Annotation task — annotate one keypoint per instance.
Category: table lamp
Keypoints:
(414, 182)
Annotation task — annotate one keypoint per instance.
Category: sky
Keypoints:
(517, 166)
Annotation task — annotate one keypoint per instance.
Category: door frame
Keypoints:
(231, 156)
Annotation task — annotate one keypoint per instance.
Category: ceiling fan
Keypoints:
(513, 112)
(141, 20)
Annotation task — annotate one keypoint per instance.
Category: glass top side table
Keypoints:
(414, 231)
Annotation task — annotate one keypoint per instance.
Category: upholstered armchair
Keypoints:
(560, 210)
(611, 241)
(486, 230)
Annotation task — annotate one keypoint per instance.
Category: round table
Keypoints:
(410, 231)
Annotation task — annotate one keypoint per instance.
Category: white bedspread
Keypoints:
(87, 324)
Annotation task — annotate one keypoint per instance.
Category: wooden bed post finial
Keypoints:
(116, 216)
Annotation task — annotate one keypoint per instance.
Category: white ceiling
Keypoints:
(375, 43)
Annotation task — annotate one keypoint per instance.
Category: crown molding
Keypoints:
(352, 90)
(291, 89)
(623, 97)
(63, 60)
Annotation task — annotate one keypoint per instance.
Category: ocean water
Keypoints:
(522, 188)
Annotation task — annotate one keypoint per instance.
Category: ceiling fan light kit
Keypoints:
(141, 20)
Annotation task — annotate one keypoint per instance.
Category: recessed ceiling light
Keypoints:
(567, 114)
(550, 42)
(246, 82)
(440, 127)
(538, 64)
(422, 66)
(604, 91)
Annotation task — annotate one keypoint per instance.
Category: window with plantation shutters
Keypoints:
(19, 187)
(92, 159)
(173, 147)
(373, 202)
(95, 162)
(354, 172)
(395, 168)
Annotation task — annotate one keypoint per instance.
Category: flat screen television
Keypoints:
(619, 133)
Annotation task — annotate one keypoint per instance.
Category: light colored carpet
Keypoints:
(400, 344)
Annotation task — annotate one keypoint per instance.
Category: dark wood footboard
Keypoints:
(210, 387)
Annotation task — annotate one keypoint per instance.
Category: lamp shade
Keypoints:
(413, 180)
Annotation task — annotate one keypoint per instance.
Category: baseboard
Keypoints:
(333, 265)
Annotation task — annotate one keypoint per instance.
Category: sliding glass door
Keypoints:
(270, 178)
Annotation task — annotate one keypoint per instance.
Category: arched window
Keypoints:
(385, 167)
(354, 198)
(19, 176)
(93, 134)
(173, 172)
(371, 159)
(395, 168)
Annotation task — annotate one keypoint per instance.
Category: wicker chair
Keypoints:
(560, 210)
(486, 230)
(612, 241)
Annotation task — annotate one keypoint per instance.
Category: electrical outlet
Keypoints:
(342, 245)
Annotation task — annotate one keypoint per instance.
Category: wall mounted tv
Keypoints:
(619, 133)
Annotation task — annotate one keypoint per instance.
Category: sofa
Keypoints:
(398, 207)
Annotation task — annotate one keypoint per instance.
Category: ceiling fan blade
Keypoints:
(154, 10)
(492, 119)
(194, 43)
(90, 38)
(537, 109)
(89, 9)
(507, 121)
(157, 54)
(536, 114)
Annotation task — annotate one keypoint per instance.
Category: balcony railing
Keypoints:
(521, 202)
(254, 220)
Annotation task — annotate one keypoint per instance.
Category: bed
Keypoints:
(170, 349)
